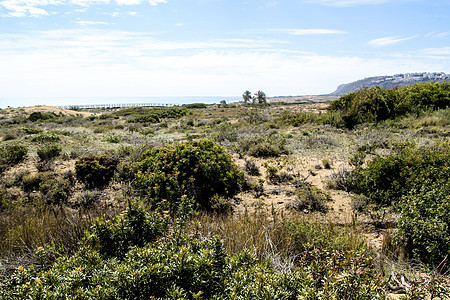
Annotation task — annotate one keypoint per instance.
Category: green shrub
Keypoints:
(310, 198)
(38, 116)
(298, 119)
(224, 132)
(198, 169)
(113, 138)
(377, 104)
(269, 145)
(133, 228)
(48, 152)
(44, 138)
(53, 189)
(386, 179)
(11, 155)
(95, 171)
(195, 105)
(424, 223)
(31, 130)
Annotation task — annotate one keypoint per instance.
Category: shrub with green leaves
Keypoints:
(133, 228)
(11, 155)
(424, 223)
(48, 152)
(95, 171)
(415, 181)
(198, 169)
(269, 145)
(377, 104)
(310, 198)
(386, 179)
(44, 138)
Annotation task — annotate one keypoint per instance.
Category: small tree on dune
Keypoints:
(247, 96)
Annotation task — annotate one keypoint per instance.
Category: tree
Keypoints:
(260, 96)
(247, 96)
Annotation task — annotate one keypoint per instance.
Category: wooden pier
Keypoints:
(115, 105)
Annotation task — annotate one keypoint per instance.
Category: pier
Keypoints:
(115, 105)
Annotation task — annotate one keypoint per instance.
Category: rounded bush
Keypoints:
(96, 170)
(198, 169)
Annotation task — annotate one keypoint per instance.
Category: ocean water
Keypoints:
(68, 101)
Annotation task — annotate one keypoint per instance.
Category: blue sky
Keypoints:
(105, 48)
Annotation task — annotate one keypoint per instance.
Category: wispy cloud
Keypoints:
(388, 40)
(310, 31)
(156, 2)
(86, 23)
(37, 8)
(111, 63)
(346, 3)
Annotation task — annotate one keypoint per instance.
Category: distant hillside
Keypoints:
(391, 81)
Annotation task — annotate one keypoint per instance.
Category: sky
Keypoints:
(140, 48)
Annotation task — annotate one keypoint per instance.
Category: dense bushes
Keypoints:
(11, 155)
(155, 115)
(96, 170)
(175, 263)
(199, 170)
(377, 104)
(269, 145)
(415, 181)
(386, 179)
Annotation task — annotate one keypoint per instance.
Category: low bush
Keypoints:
(95, 171)
(269, 145)
(310, 198)
(415, 181)
(195, 105)
(298, 119)
(11, 155)
(31, 130)
(146, 258)
(224, 132)
(198, 169)
(377, 104)
(48, 152)
(386, 179)
(44, 138)
(133, 228)
(39, 116)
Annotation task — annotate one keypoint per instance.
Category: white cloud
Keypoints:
(35, 8)
(311, 31)
(156, 2)
(345, 3)
(386, 41)
(85, 23)
(117, 63)
(129, 2)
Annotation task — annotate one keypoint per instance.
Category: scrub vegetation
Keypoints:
(262, 200)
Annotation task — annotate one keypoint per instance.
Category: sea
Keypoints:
(73, 101)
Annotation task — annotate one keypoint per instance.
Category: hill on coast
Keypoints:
(391, 81)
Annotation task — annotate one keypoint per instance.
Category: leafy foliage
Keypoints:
(96, 170)
(11, 155)
(415, 180)
(198, 169)
(386, 179)
(155, 115)
(377, 104)
(269, 145)
(48, 152)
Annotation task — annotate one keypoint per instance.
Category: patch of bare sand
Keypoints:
(56, 110)
(276, 196)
